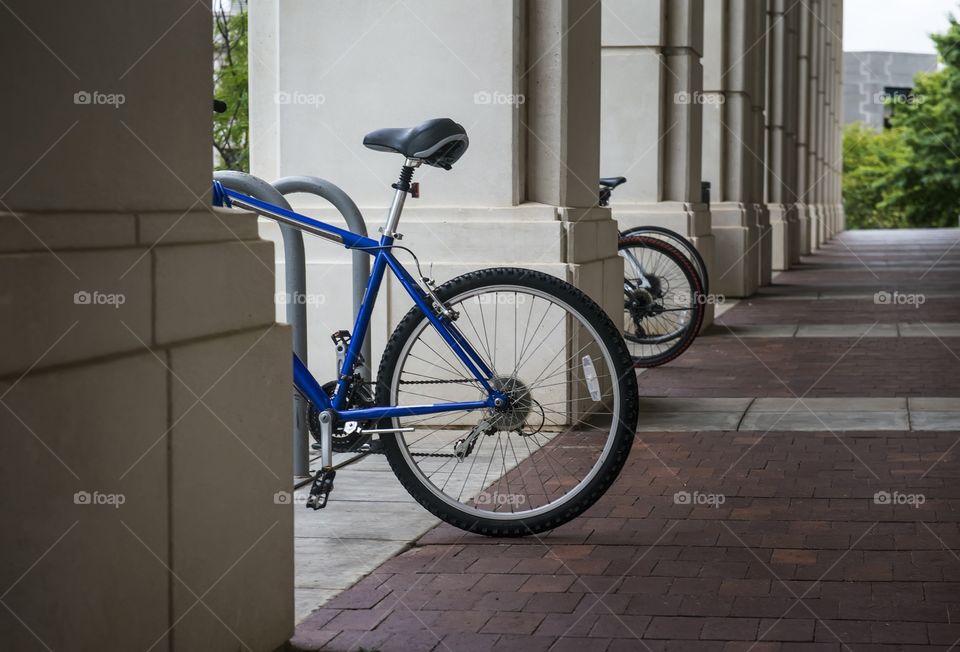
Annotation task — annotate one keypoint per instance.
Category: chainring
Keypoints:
(358, 395)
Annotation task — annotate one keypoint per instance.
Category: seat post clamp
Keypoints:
(413, 189)
(395, 236)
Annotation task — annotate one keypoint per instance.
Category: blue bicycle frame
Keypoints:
(383, 256)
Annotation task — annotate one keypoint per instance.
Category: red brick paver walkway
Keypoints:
(790, 548)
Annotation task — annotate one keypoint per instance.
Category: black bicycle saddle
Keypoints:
(612, 182)
(439, 142)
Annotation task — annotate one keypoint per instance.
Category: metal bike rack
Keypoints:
(296, 283)
(348, 209)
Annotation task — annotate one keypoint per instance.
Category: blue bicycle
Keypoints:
(505, 400)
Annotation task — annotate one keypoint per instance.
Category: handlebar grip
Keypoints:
(219, 106)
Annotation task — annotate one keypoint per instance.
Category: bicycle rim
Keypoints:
(660, 300)
(544, 453)
(682, 244)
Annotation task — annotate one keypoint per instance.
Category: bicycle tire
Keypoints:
(679, 242)
(616, 447)
(698, 297)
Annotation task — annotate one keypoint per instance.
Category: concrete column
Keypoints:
(814, 143)
(733, 143)
(521, 77)
(792, 125)
(837, 127)
(803, 126)
(829, 56)
(144, 385)
(826, 134)
(835, 115)
(781, 127)
(652, 115)
(563, 140)
(758, 20)
(838, 133)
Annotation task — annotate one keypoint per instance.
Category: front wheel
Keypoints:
(569, 422)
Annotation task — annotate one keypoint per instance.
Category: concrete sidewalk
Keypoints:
(815, 508)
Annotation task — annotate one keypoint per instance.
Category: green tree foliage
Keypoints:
(909, 175)
(871, 160)
(231, 129)
(926, 186)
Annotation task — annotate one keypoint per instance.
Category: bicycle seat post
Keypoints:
(402, 187)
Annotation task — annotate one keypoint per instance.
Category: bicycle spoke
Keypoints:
(503, 475)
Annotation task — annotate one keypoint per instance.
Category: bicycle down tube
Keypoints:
(305, 382)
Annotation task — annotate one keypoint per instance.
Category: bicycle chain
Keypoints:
(437, 382)
(430, 382)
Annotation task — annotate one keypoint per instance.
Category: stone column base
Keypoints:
(794, 242)
(765, 271)
(784, 234)
(803, 229)
(838, 219)
(816, 226)
(120, 320)
(812, 220)
(736, 233)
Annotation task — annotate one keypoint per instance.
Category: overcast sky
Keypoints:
(894, 25)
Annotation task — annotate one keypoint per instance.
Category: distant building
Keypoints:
(871, 77)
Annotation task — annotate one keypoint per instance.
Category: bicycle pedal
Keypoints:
(321, 488)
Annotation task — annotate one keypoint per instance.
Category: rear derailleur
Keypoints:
(463, 447)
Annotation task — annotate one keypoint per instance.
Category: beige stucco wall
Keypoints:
(144, 385)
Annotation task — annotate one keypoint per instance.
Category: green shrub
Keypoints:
(909, 175)
(231, 129)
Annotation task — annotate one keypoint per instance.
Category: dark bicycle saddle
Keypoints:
(439, 142)
(612, 182)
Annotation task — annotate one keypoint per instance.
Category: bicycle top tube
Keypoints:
(348, 239)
